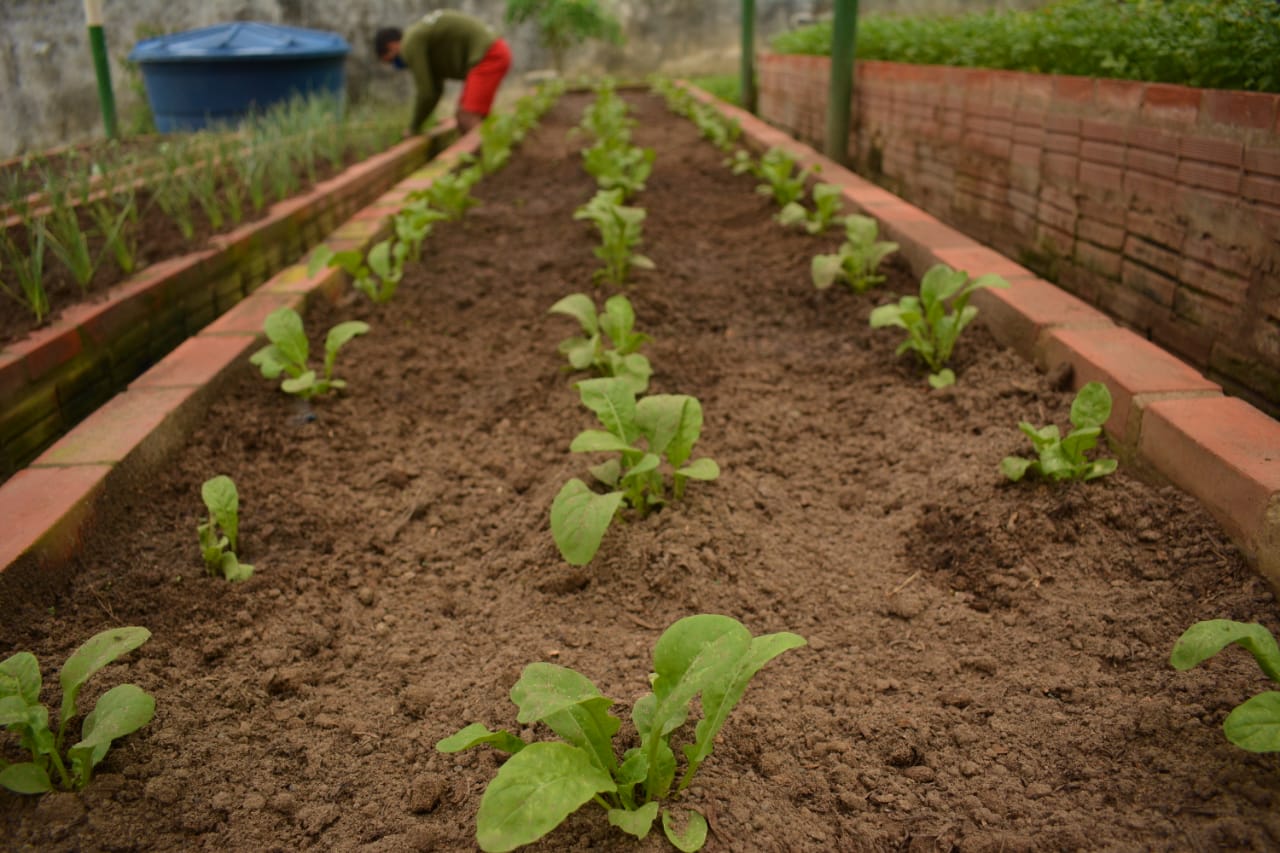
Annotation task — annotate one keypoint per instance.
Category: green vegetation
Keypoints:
(613, 325)
(708, 656)
(620, 228)
(287, 353)
(1254, 724)
(120, 711)
(826, 207)
(1217, 44)
(220, 534)
(776, 169)
(726, 87)
(1064, 458)
(564, 24)
(856, 261)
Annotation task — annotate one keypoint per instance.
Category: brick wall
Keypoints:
(1160, 204)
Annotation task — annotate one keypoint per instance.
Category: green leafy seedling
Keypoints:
(120, 711)
(288, 351)
(742, 163)
(219, 535)
(669, 424)
(775, 168)
(613, 325)
(826, 208)
(618, 165)
(1064, 458)
(620, 228)
(931, 329)
(857, 260)
(708, 657)
(1254, 724)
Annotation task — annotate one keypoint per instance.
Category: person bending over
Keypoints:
(447, 45)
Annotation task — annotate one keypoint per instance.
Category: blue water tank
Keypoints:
(221, 73)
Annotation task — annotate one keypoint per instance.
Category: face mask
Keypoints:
(398, 62)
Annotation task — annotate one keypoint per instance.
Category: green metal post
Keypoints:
(844, 31)
(748, 72)
(98, 44)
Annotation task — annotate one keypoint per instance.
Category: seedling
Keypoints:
(719, 131)
(412, 225)
(1064, 458)
(709, 656)
(451, 193)
(376, 275)
(775, 169)
(613, 325)
(857, 259)
(932, 331)
(68, 242)
(670, 425)
(620, 228)
(826, 206)
(28, 268)
(742, 163)
(618, 165)
(1254, 724)
(219, 536)
(287, 353)
(120, 711)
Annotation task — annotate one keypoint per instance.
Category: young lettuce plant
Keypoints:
(120, 711)
(376, 275)
(826, 207)
(1254, 725)
(614, 325)
(1064, 458)
(857, 259)
(617, 165)
(451, 193)
(708, 656)
(287, 353)
(220, 535)
(775, 169)
(620, 229)
(932, 331)
(670, 425)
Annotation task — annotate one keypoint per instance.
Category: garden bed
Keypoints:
(987, 664)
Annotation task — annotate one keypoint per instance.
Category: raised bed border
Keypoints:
(1167, 420)
(56, 376)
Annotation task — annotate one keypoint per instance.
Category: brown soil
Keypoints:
(987, 666)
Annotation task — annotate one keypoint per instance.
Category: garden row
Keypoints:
(974, 648)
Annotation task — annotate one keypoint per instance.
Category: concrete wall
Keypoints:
(48, 94)
(1159, 204)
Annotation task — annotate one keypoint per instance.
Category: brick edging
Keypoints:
(1167, 418)
(48, 505)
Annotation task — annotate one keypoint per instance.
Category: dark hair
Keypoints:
(383, 38)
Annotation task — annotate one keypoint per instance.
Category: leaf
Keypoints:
(340, 335)
(220, 496)
(380, 259)
(793, 214)
(642, 262)
(940, 283)
(476, 734)
(887, 315)
(614, 403)
(26, 778)
(1100, 468)
(1092, 405)
(1015, 467)
(534, 791)
(320, 259)
(672, 424)
(581, 352)
(618, 319)
(596, 441)
(1255, 723)
(96, 652)
(122, 710)
(300, 384)
(1205, 639)
(234, 570)
(825, 269)
(635, 822)
(635, 370)
(694, 835)
(581, 307)
(942, 379)
(579, 519)
(20, 676)
(269, 360)
(571, 706)
(607, 472)
(700, 469)
(284, 329)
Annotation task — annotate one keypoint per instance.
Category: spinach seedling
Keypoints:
(670, 425)
(120, 711)
(775, 169)
(451, 193)
(1254, 724)
(857, 260)
(932, 331)
(620, 227)
(220, 535)
(1064, 458)
(709, 656)
(826, 207)
(287, 353)
(614, 325)
(617, 165)
(742, 163)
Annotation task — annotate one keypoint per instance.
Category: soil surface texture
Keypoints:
(987, 663)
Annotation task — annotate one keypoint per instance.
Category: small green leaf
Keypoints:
(300, 384)
(380, 258)
(1255, 723)
(26, 778)
(825, 269)
(579, 519)
(340, 335)
(534, 791)
(568, 703)
(614, 403)
(792, 215)
(319, 260)
(618, 319)
(234, 570)
(476, 734)
(942, 379)
(597, 441)
(1015, 467)
(122, 710)
(694, 835)
(220, 496)
(1205, 639)
(269, 360)
(635, 822)
(1100, 468)
(284, 329)
(1092, 405)
(96, 652)
(700, 469)
(581, 307)
(20, 676)
(672, 424)
(887, 315)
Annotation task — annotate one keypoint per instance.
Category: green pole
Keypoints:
(844, 31)
(748, 72)
(98, 44)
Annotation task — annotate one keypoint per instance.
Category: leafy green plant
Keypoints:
(220, 534)
(116, 222)
(613, 325)
(618, 166)
(1064, 458)
(669, 424)
(620, 228)
(376, 275)
(289, 349)
(775, 169)
(1254, 724)
(68, 241)
(714, 127)
(708, 656)
(120, 711)
(28, 269)
(563, 24)
(451, 193)
(857, 259)
(742, 163)
(826, 207)
(932, 330)
(413, 224)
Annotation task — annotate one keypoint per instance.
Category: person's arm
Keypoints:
(428, 88)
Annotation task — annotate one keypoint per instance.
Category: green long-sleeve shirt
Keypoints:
(444, 45)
